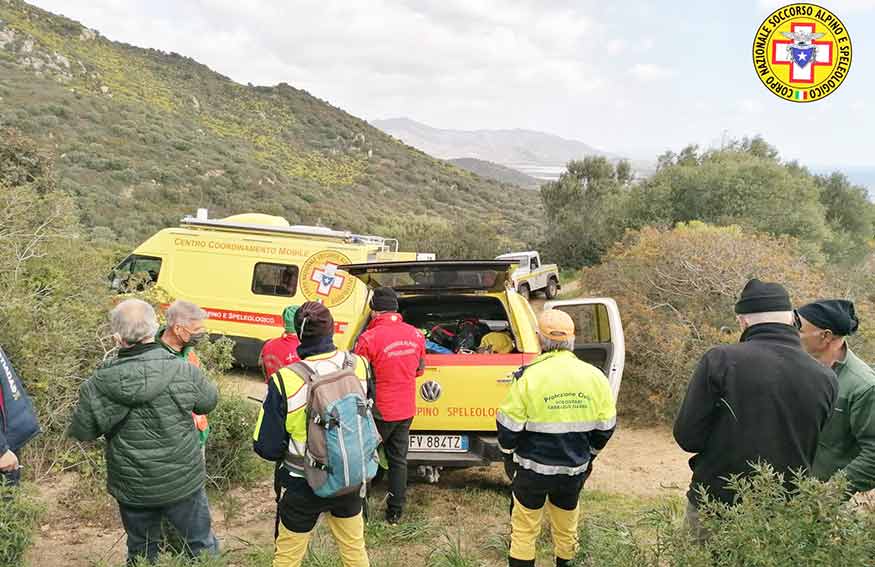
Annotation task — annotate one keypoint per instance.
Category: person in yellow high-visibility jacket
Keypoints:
(281, 436)
(557, 416)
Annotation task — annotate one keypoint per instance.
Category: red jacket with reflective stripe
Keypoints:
(396, 352)
(279, 352)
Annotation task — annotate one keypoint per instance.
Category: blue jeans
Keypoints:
(190, 517)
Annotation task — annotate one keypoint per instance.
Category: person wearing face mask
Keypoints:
(184, 329)
(141, 402)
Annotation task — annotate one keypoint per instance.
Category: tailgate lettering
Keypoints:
(429, 412)
(471, 412)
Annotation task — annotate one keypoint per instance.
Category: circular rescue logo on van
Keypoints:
(802, 52)
(321, 281)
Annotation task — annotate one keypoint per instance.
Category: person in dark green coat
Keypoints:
(185, 328)
(141, 401)
(847, 442)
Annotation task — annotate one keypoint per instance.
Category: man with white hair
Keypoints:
(557, 416)
(763, 399)
(141, 402)
(185, 327)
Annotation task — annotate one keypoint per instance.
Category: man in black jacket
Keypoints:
(762, 399)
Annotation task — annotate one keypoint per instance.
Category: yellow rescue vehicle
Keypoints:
(245, 269)
(459, 393)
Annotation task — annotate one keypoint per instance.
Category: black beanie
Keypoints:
(836, 315)
(761, 297)
(384, 299)
(313, 320)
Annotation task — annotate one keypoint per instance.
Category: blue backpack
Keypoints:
(342, 438)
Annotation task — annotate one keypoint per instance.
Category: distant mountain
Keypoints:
(505, 147)
(496, 172)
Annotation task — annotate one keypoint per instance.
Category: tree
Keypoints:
(744, 184)
(583, 209)
(849, 214)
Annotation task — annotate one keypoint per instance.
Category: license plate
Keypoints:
(439, 443)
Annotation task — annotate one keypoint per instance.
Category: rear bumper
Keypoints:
(482, 450)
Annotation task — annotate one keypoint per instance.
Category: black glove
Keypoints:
(509, 466)
(588, 470)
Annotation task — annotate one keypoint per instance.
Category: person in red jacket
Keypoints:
(281, 351)
(396, 352)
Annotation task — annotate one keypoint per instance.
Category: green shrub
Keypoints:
(230, 459)
(19, 514)
(803, 523)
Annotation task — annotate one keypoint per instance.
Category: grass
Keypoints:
(461, 522)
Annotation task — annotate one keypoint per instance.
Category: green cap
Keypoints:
(289, 318)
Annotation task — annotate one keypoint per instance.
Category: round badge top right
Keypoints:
(802, 52)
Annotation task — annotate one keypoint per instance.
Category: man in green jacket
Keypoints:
(847, 441)
(186, 326)
(141, 402)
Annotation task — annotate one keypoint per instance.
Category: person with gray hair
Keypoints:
(763, 399)
(141, 402)
(184, 329)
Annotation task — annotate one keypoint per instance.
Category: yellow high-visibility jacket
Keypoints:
(558, 413)
(281, 429)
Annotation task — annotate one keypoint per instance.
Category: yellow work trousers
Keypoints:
(525, 526)
(348, 534)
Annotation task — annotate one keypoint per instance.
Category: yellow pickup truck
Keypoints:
(459, 393)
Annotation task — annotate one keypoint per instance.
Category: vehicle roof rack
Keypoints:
(386, 244)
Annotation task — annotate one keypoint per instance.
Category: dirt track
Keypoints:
(638, 462)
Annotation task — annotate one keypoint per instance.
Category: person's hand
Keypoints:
(8, 462)
(509, 466)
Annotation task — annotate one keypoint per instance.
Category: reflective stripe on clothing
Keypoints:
(540, 468)
(294, 433)
(556, 412)
(509, 422)
(580, 426)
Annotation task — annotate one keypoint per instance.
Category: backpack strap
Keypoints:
(304, 371)
(518, 373)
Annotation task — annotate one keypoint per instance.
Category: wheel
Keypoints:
(524, 291)
(552, 289)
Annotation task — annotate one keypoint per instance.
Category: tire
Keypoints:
(524, 291)
(552, 289)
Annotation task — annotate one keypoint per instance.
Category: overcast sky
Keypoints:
(633, 77)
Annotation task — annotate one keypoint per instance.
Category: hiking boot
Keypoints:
(393, 517)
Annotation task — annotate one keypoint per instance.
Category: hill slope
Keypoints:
(506, 147)
(496, 172)
(142, 137)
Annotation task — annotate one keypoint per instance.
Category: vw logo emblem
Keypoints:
(430, 391)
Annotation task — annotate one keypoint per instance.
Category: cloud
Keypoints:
(378, 58)
(650, 72)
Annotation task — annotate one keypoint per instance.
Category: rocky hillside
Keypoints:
(142, 137)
